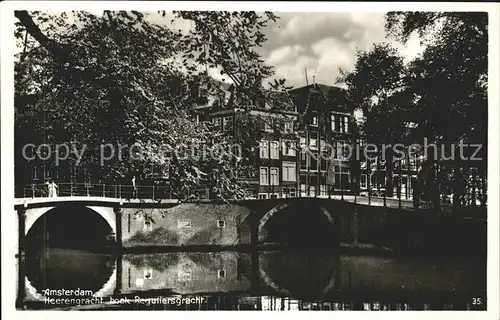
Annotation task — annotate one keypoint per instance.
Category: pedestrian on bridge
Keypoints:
(134, 186)
(52, 189)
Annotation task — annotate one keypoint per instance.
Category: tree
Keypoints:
(450, 81)
(377, 87)
(115, 79)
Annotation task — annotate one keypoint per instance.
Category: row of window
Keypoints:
(412, 165)
(182, 275)
(270, 123)
(226, 123)
(382, 181)
(305, 190)
(270, 176)
(286, 193)
(270, 149)
(340, 123)
(181, 224)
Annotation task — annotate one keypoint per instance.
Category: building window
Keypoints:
(221, 223)
(262, 195)
(303, 190)
(303, 160)
(289, 193)
(148, 273)
(313, 140)
(148, 226)
(274, 176)
(221, 273)
(275, 150)
(323, 163)
(334, 127)
(183, 223)
(314, 121)
(341, 178)
(268, 124)
(264, 177)
(217, 122)
(289, 171)
(312, 190)
(413, 164)
(336, 122)
(362, 182)
(184, 275)
(289, 148)
(339, 153)
(273, 196)
(346, 124)
(322, 145)
(227, 124)
(313, 163)
(264, 149)
(303, 142)
(342, 120)
(323, 190)
(289, 126)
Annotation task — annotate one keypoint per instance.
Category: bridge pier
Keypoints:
(119, 250)
(21, 290)
(118, 220)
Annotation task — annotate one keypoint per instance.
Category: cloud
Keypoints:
(284, 54)
(324, 42)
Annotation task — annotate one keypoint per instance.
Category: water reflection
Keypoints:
(68, 269)
(265, 280)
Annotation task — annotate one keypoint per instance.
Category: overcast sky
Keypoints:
(320, 43)
(323, 42)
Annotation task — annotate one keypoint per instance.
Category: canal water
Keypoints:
(259, 280)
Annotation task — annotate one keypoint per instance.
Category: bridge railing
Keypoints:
(118, 191)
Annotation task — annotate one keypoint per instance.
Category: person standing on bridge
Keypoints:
(134, 186)
(52, 188)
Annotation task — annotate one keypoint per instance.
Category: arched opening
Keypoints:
(69, 269)
(68, 248)
(306, 275)
(300, 225)
(70, 227)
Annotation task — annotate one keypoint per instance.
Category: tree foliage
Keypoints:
(440, 96)
(120, 79)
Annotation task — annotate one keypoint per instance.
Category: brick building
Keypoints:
(302, 141)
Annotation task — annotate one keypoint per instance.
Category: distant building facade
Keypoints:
(302, 143)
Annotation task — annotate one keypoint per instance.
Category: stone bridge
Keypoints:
(313, 223)
(322, 223)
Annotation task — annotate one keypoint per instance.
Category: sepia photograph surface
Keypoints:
(237, 160)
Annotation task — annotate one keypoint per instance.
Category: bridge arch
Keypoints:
(106, 290)
(265, 219)
(277, 273)
(32, 215)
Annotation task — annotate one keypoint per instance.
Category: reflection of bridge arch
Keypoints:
(32, 215)
(278, 208)
(271, 283)
(108, 287)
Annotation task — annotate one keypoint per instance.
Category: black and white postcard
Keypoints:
(227, 156)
